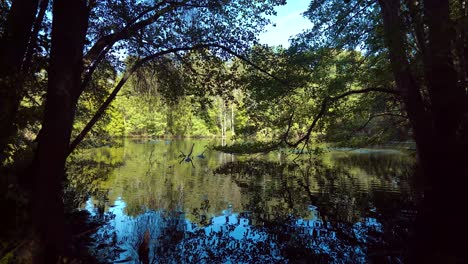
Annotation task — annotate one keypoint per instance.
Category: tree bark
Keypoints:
(232, 120)
(447, 157)
(32, 45)
(436, 128)
(405, 82)
(69, 26)
(13, 45)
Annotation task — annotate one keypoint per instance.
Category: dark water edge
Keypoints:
(341, 208)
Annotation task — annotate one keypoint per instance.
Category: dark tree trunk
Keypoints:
(407, 87)
(13, 45)
(33, 39)
(438, 128)
(447, 157)
(70, 22)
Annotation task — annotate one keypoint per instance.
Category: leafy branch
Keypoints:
(142, 62)
(323, 109)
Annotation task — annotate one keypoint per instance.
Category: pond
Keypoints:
(340, 206)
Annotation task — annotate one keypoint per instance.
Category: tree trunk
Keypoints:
(405, 82)
(447, 157)
(69, 26)
(232, 120)
(224, 119)
(32, 45)
(441, 155)
(13, 45)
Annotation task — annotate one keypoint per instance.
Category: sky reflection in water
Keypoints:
(333, 210)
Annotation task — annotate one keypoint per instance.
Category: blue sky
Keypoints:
(289, 22)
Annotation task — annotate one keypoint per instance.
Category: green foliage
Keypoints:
(307, 80)
(248, 147)
(178, 119)
(7, 258)
(199, 128)
(116, 126)
(145, 28)
(141, 114)
(189, 94)
(86, 170)
(89, 103)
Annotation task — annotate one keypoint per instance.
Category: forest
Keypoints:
(124, 105)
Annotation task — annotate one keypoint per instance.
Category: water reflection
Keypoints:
(232, 238)
(340, 208)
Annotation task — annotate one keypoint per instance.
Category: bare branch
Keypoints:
(366, 90)
(371, 117)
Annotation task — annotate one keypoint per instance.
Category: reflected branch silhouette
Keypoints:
(188, 157)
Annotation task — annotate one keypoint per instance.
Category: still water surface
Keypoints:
(343, 206)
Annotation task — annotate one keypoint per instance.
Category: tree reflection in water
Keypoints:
(307, 212)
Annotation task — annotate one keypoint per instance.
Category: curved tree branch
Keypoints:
(306, 137)
(371, 117)
(124, 79)
(119, 86)
(103, 45)
(143, 61)
(365, 90)
(285, 135)
(243, 58)
(323, 109)
(89, 72)
(111, 39)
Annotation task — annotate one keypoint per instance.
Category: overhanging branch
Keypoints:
(323, 109)
(136, 66)
(306, 137)
(230, 51)
(366, 90)
(371, 117)
(143, 61)
(119, 86)
(111, 39)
